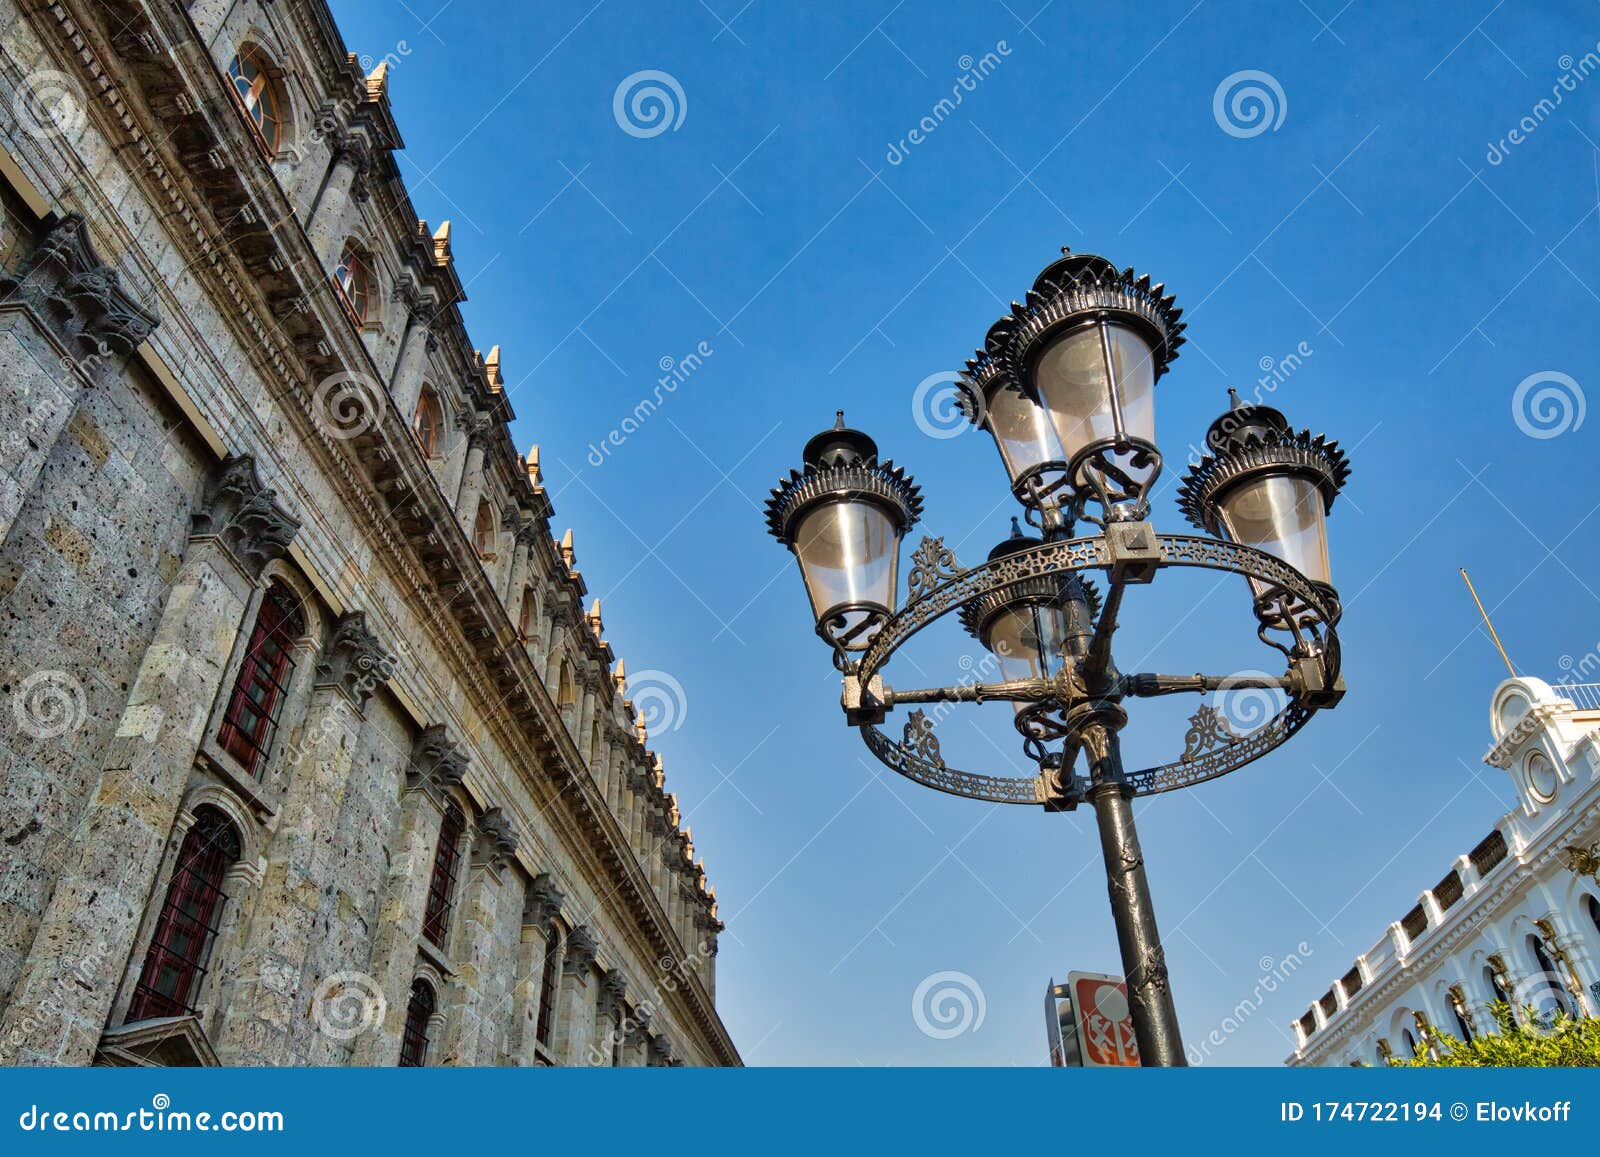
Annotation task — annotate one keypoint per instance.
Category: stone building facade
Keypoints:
(310, 752)
(1516, 919)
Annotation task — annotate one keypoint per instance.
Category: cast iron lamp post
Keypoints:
(1066, 386)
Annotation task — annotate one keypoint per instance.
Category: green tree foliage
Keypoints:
(1534, 1040)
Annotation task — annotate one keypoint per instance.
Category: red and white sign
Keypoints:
(1105, 1023)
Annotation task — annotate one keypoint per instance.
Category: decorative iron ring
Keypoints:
(921, 763)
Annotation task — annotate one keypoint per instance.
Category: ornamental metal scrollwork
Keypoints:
(921, 741)
(939, 589)
(1208, 729)
(932, 563)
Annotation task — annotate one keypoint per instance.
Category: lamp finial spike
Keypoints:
(1235, 402)
(838, 419)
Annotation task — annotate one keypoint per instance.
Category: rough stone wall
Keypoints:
(85, 568)
(106, 582)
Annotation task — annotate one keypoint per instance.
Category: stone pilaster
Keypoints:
(352, 159)
(540, 906)
(266, 1021)
(411, 366)
(575, 1018)
(608, 1016)
(110, 869)
(478, 1014)
(517, 577)
(476, 428)
(436, 766)
(65, 322)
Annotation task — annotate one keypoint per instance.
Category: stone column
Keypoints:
(576, 1000)
(543, 901)
(476, 1017)
(436, 766)
(411, 366)
(585, 730)
(518, 576)
(471, 488)
(115, 852)
(265, 1021)
(65, 323)
(346, 182)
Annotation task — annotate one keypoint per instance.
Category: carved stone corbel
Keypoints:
(244, 516)
(613, 992)
(68, 283)
(582, 947)
(543, 903)
(496, 841)
(436, 764)
(353, 660)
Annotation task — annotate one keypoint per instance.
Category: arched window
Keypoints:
(251, 720)
(1410, 1041)
(1463, 1030)
(566, 687)
(483, 531)
(428, 422)
(544, 1027)
(174, 966)
(528, 619)
(1593, 907)
(1492, 979)
(1553, 995)
(442, 884)
(353, 276)
(414, 1044)
(260, 96)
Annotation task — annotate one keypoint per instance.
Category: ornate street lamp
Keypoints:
(843, 515)
(1065, 385)
(1087, 347)
(1271, 488)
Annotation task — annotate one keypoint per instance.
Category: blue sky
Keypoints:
(1371, 224)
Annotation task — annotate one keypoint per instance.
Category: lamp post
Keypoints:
(1065, 384)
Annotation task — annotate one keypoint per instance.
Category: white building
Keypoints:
(1512, 919)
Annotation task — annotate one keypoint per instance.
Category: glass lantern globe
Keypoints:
(1088, 346)
(843, 515)
(1267, 487)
